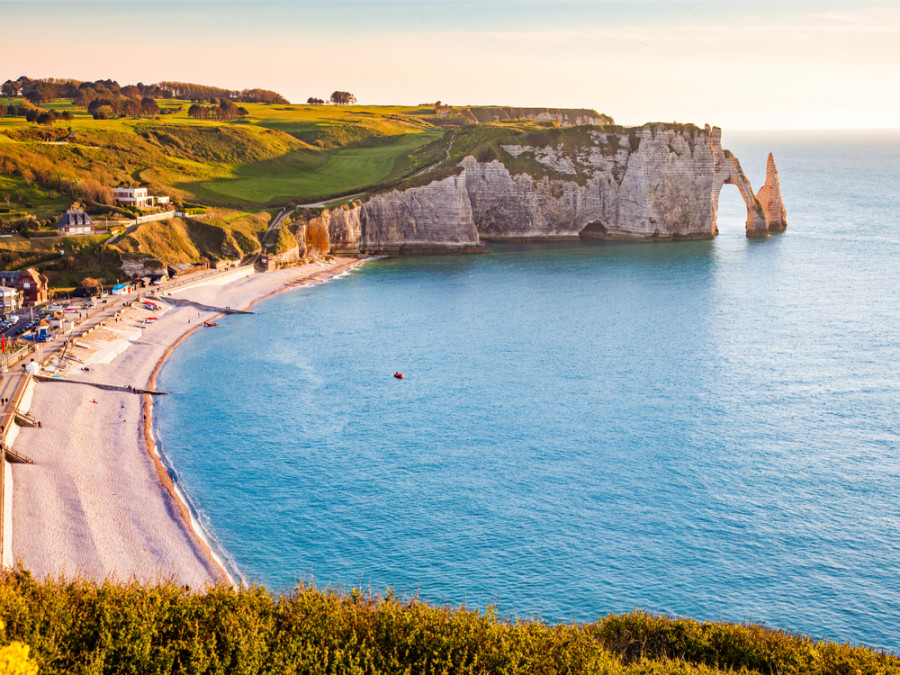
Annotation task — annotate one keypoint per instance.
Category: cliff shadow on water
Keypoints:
(558, 257)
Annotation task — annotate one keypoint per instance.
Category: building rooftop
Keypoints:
(74, 218)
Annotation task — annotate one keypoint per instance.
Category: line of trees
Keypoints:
(33, 113)
(202, 92)
(44, 90)
(120, 106)
(110, 90)
(337, 98)
(225, 110)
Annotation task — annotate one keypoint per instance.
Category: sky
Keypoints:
(736, 64)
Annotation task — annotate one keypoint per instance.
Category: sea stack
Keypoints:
(770, 197)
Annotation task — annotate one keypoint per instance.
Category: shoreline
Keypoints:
(100, 502)
(186, 508)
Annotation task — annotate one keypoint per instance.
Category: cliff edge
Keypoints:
(650, 183)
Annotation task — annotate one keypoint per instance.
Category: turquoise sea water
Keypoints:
(707, 429)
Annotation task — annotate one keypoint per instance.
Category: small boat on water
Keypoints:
(210, 324)
(399, 376)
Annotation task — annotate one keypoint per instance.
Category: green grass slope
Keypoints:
(275, 154)
(83, 627)
(312, 175)
(219, 236)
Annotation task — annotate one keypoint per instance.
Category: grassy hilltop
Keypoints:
(275, 154)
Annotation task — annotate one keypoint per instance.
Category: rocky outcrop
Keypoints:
(435, 218)
(308, 241)
(343, 226)
(135, 266)
(656, 182)
(770, 198)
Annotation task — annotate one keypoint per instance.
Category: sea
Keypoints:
(707, 429)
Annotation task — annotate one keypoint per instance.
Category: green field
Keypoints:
(307, 175)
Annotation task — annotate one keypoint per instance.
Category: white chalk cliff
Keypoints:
(656, 182)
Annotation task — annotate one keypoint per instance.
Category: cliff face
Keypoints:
(435, 218)
(658, 182)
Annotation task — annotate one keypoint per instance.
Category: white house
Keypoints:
(133, 197)
(138, 197)
(10, 299)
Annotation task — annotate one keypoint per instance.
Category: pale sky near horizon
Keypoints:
(736, 64)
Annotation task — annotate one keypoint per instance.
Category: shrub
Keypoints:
(76, 625)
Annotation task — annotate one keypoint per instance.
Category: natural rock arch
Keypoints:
(765, 210)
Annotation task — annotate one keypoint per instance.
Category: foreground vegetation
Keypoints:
(83, 627)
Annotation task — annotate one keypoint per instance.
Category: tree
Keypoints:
(149, 107)
(46, 117)
(131, 108)
(40, 92)
(343, 98)
(103, 112)
(198, 112)
(312, 100)
(10, 88)
(227, 109)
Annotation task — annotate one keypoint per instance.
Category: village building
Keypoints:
(122, 289)
(10, 299)
(75, 221)
(30, 283)
(33, 286)
(61, 323)
(131, 196)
